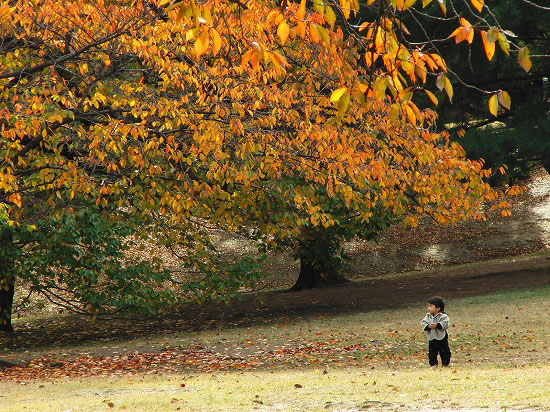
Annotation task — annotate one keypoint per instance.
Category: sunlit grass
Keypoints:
(305, 390)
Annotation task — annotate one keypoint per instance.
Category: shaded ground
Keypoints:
(431, 246)
(389, 291)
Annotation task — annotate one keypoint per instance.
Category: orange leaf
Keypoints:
(302, 29)
(478, 4)
(301, 10)
(410, 115)
(443, 6)
(488, 45)
(314, 33)
(439, 60)
(524, 59)
(246, 58)
(370, 58)
(465, 22)
(432, 97)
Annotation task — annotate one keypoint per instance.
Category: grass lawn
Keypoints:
(372, 361)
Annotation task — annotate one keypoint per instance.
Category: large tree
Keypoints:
(249, 116)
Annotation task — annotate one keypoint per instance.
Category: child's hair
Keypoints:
(438, 302)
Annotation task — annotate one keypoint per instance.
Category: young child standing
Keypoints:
(435, 323)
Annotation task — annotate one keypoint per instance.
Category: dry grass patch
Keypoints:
(351, 389)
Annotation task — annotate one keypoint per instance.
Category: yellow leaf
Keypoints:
(343, 103)
(216, 40)
(503, 43)
(524, 59)
(432, 97)
(440, 81)
(330, 16)
(301, 10)
(478, 4)
(324, 34)
(337, 94)
(283, 31)
(201, 44)
(493, 105)
(369, 2)
(492, 34)
(449, 89)
(488, 45)
(504, 99)
(394, 113)
(345, 8)
(319, 6)
(181, 13)
(425, 3)
(408, 3)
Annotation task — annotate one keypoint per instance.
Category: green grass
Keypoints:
(500, 360)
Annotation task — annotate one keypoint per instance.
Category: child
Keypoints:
(435, 323)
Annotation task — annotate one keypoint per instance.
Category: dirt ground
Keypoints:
(471, 259)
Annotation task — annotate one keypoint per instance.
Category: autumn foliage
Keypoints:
(254, 117)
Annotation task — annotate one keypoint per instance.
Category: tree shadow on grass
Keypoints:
(279, 307)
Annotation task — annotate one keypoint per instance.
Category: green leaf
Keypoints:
(330, 16)
(319, 6)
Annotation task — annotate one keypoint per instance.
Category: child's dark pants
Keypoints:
(441, 347)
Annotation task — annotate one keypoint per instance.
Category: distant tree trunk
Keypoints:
(322, 262)
(7, 281)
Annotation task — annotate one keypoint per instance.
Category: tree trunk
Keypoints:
(321, 261)
(7, 281)
(308, 278)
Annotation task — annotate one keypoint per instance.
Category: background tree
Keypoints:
(245, 116)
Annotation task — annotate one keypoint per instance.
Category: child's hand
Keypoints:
(432, 325)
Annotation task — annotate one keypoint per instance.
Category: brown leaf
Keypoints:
(298, 386)
(111, 405)
(174, 400)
